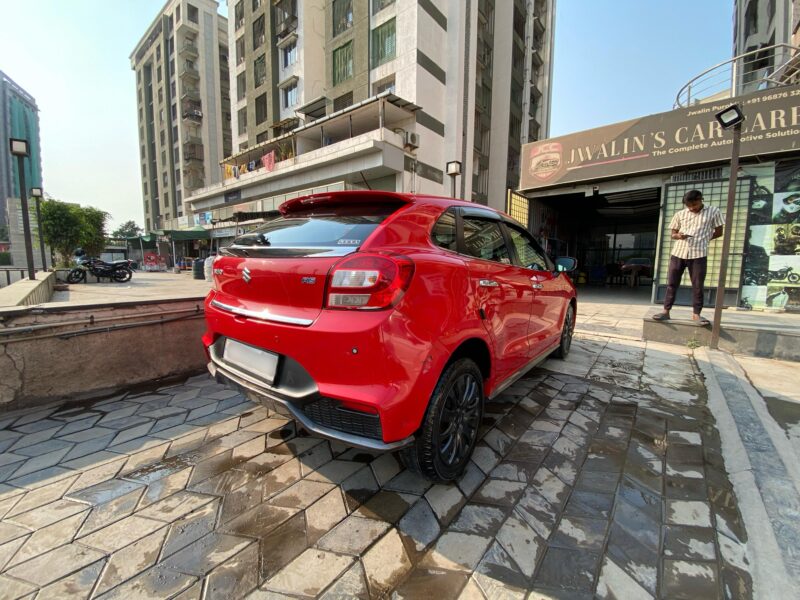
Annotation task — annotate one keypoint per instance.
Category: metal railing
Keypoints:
(760, 69)
(5, 275)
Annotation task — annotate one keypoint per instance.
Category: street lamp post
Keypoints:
(19, 148)
(454, 170)
(729, 118)
(37, 193)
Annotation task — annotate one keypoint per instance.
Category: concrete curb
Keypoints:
(770, 575)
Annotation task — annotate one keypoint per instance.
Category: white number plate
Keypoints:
(253, 360)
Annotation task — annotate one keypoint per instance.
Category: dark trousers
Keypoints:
(697, 273)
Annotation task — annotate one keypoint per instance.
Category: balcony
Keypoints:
(193, 115)
(188, 49)
(189, 72)
(285, 27)
(190, 95)
(538, 27)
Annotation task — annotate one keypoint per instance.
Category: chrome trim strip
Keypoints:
(356, 441)
(261, 316)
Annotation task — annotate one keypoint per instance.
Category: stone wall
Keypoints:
(49, 353)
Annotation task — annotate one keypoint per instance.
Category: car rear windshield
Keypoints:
(343, 227)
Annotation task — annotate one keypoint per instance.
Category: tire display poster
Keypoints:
(771, 277)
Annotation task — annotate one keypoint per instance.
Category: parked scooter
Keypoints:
(119, 270)
(784, 274)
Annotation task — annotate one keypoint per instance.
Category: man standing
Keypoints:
(692, 229)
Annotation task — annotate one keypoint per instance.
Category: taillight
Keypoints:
(369, 281)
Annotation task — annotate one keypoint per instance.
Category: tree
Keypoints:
(62, 227)
(127, 229)
(68, 226)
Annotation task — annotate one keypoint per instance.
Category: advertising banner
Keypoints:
(688, 136)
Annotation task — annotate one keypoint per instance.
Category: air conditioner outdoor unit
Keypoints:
(412, 140)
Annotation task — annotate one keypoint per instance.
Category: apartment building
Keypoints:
(19, 118)
(382, 94)
(183, 104)
(762, 24)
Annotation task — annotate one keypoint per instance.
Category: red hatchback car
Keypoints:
(383, 320)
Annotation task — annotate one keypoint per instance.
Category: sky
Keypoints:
(614, 60)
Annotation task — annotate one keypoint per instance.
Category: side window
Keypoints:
(484, 239)
(444, 232)
(528, 251)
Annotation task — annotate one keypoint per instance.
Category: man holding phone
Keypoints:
(692, 229)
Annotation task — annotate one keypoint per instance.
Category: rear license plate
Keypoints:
(253, 360)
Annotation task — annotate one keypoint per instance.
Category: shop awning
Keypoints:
(198, 232)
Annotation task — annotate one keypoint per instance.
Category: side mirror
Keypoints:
(566, 264)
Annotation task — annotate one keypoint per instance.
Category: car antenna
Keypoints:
(365, 180)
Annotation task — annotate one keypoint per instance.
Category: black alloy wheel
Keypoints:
(122, 275)
(445, 440)
(76, 276)
(566, 334)
(459, 420)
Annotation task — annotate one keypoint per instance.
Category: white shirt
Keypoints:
(700, 226)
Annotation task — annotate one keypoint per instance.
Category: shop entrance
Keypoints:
(613, 236)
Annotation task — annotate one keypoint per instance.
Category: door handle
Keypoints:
(487, 283)
(536, 286)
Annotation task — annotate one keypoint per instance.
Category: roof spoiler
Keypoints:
(342, 198)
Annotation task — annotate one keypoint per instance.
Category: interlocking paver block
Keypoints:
(456, 551)
(310, 573)
(386, 564)
(175, 506)
(131, 560)
(157, 582)
(475, 518)
(47, 538)
(47, 568)
(120, 534)
(353, 535)
(615, 583)
(445, 500)
(202, 556)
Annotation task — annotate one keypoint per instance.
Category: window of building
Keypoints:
(514, 127)
(193, 13)
(178, 13)
(158, 73)
(158, 52)
(342, 101)
(172, 89)
(260, 70)
(258, 32)
(342, 16)
(384, 42)
(262, 137)
(174, 110)
(284, 11)
(379, 5)
(256, 5)
(240, 50)
(175, 133)
(243, 146)
(242, 121)
(289, 54)
(164, 179)
(171, 46)
(160, 95)
(290, 95)
(238, 14)
(261, 109)
(384, 85)
(162, 136)
(343, 63)
(142, 152)
(177, 176)
(241, 85)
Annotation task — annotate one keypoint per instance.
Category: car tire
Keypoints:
(567, 330)
(443, 446)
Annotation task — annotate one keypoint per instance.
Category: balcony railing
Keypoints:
(195, 116)
(189, 72)
(188, 49)
(760, 69)
(286, 27)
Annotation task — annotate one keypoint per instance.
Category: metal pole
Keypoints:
(41, 237)
(26, 223)
(452, 186)
(726, 240)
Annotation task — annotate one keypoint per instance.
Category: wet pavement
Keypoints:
(600, 476)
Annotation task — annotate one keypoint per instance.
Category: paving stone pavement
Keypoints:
(584, 484)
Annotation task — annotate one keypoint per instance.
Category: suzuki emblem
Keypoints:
(246, 275)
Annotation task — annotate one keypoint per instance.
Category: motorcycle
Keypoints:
(744, 304)
(119, 270)
(784, 274)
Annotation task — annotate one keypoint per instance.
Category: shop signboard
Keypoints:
(678, 138)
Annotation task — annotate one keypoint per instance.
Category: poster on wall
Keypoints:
(771, 278)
